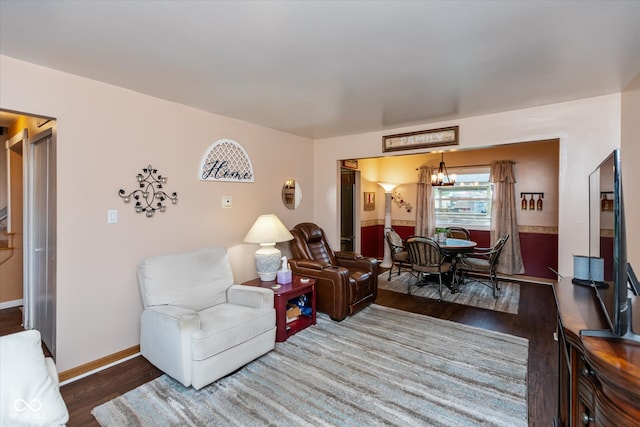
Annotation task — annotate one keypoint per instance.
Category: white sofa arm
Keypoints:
(165, 339)
(250, 296)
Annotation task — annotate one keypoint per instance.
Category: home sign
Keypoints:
(226, 160)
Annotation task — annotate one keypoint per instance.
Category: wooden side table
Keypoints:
(282, 296)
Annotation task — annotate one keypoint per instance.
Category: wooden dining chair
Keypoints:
(426, 258)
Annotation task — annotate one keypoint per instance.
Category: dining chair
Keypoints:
(399, 254)
(483, 260)
(426, 258)
(458, 233)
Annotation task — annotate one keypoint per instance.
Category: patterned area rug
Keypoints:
(379, 367)
(472, 293)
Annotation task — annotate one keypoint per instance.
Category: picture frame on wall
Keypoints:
(421, 139)
(350, 164)
(369, 201)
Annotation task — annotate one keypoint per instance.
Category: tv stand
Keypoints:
(599, 378)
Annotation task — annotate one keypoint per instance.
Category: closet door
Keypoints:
(41, 238)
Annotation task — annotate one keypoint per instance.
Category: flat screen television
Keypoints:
(607, 240)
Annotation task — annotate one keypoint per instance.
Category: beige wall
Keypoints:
(536, 170)
(588, 130)
(106, 135)
(631, 172)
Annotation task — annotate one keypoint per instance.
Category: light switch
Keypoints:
(227, 201)
(112, 216)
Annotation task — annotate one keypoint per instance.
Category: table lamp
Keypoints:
(267, 231)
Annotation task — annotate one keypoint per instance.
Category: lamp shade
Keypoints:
(267, 231)
(388, 188)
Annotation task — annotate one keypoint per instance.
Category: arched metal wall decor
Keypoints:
(150, 196)
(226, 160)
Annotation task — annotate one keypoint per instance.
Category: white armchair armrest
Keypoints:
(250, 296)
(165, 339)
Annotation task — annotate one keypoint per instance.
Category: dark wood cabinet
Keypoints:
(599, 377)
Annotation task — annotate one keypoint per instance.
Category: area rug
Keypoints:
(381, 366)
(472, 293)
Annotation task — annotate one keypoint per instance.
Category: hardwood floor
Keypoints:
(536, 321)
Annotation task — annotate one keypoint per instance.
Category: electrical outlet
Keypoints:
(112, 216)
(227, 201)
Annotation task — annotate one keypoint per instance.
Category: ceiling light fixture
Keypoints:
(442, 176)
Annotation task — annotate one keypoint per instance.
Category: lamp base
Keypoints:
(267, 260)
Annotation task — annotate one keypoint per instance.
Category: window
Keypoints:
(466, 204)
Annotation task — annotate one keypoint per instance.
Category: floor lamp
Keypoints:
(388, 188)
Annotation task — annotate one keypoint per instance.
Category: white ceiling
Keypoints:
(328, 68)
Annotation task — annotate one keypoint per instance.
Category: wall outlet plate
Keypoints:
(227, 201)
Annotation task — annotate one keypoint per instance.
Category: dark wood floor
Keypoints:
(535, 321)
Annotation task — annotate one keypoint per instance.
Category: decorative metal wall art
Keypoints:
(396, 197)
(150, 195)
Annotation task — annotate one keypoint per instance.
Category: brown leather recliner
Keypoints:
(346, 282)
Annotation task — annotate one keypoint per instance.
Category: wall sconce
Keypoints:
(532, 204)
(606, 205)
(150, 190)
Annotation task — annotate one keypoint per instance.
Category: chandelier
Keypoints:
(442, 176)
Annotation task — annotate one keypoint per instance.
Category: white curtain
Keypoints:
(425, 206)
(504, 217)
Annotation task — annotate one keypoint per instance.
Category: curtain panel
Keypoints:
(425, 206)
(504, 216)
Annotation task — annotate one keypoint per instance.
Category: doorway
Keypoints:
(31, 186)
(348, 210)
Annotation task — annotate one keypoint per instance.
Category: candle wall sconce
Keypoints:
(532, 204)
(150, 195)
(606, 204)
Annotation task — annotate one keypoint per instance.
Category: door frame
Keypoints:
(17, 140)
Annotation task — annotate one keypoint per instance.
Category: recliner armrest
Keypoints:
(308, 263)
(174, 312)
(363, 263)
(250, 296)
(165, 339)
(348, 255)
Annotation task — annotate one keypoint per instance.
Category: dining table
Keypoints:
(455, 248)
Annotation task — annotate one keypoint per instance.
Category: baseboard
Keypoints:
(11, 304)
(82, 371)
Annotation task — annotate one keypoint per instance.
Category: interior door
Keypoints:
(40, 238)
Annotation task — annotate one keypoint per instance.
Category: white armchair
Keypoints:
(197, 325)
